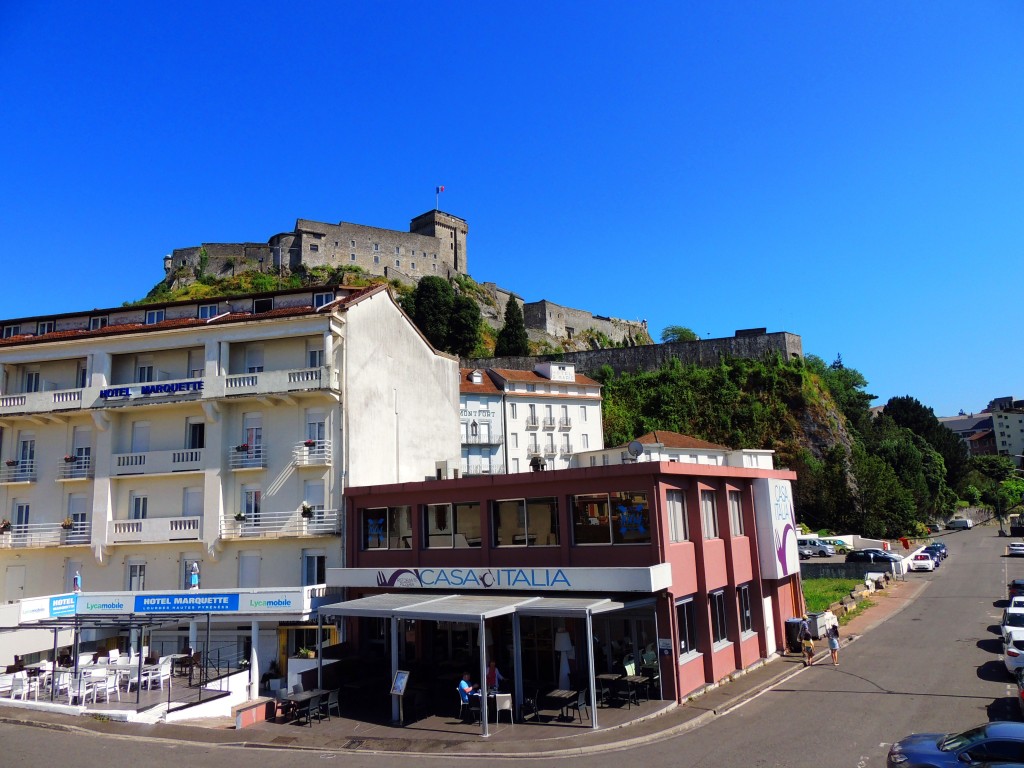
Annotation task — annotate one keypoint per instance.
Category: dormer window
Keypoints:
(95, 323)
(262, 305)
(11, 330)
(154, 316)
(319, 299)
(206, 311)
(45, 326)
(476, 377)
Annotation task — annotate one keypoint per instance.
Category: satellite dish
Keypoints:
(635, 448)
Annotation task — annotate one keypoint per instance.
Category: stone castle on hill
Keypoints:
(434, 245)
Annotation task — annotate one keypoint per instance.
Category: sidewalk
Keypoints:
(342, 734)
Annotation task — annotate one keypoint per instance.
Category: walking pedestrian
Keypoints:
(833, 643)
(807, 642)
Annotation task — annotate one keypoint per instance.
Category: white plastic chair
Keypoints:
(78, 688)
(106, 686)
(134, 679)
(113, 655)
(503, 701)
(162, 673)
(22, 685)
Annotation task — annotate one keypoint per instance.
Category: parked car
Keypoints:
(839, 545)
(820, 548)
(1013, 650)
(1016, 602)
(806, 553)
(959, 524)
(1015, 548)
(1015, 588)
(938, 546)
(999, 741)
(922, 561)
(884, 555)
(1020, 690)
(859, 556)
(1013, 618)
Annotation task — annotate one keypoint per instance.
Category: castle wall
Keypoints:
(650, 357)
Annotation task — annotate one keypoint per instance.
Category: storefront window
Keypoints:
(387, 528)
(590, 520)
(451, 526)
(624, 518)
(374, 528)
(525, 522)
(631, 519)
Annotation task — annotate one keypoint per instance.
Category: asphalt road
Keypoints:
(933, 667)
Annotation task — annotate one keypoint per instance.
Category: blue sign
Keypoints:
(63, 605)
(186, 603)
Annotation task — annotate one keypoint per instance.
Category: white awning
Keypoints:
(473, 608)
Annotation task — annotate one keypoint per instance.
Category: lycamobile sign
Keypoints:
(112, 605)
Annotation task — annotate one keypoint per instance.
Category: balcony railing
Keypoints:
(45, 535)
(39, 402)
(566, 449)
(533, 450)
(565, 423)
(312, 453)
(550, 450)
(155, 529)
(549, 422)
(156, 462)
(266, 382)
(531, 422)
(481, 440)
(79, 469)
(321, 522)
(250, 458)
(18, 472)
(479, 469)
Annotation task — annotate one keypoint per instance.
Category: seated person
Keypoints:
(494, 678)
(467, 689)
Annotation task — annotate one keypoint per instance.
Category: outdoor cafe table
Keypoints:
(563, 698)
(295, 699)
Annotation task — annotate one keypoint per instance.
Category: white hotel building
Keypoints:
(136, 441)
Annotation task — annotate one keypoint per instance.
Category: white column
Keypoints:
(254, 662)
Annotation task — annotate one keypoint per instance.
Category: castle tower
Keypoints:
(451, 230)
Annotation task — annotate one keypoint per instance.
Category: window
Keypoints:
(144, 370)
(412, 265)
(206, 311)
(249, 569)
(315, 358)
(398, 262)
(45, 326)
(675, 501)
(154, 316)
(313, 247)
(254, 358)
(351, 257)
(515, 439)
(81, 376)
(186, 569)
(735, 513)
(314, 567)
(262, 305)
(719, 633)
(746, 617)
(398, 249)
(138, 507)
(376, 259)
(448, 526)
(376, 246)
(708, 514)
(192, 502)
(77, 511)
(31, 381)
(515, 465)
(387, 528)
(135, 575)
(512, 410)
(319, 299)
(20, 518)
(11, 330)
(687, 627)
(583, 413)
(622, 518)
(585, 442)
(352, 243)
(525, 522)
(251, 498)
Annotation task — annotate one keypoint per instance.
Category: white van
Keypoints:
(959, 524)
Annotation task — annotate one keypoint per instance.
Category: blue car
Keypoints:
(996, 742)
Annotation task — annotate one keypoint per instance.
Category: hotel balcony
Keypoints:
(549, 422)
(312, 453)
(533, 450)
(566, 449)
(156, 462)
(481, 440)
(196, 388)
(531, 422)
(565, 423)
(321, 522)
(155, 530)
(247, 458)
(79, 469)
(14, 471)
(44, 535)
(42, 402)
(550, 450)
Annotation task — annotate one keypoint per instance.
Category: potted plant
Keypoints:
(11, 462)
(307, 510)
(310, 443)
(5, 526)
(242, 448)
(306, 653)
(67, 524)
(69, 459)
(240, 517)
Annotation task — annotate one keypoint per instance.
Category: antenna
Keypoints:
(635, 448)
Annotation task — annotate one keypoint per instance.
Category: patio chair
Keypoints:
(78, 689)
(331, 702)
(162, 673)
(305, 710)
(468, 706)
(531, 704)
(22, 685)
(581, 703)
(60, 682)
(113, 655)
(134, 678)
(502, 703)
(106, 685)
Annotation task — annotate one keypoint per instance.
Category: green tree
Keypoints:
(432, 309)
(677, 333)
(463, 326)
(512, 340)
(910, 413)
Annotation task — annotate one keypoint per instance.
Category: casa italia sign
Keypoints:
(650, 579)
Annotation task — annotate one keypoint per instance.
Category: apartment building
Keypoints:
(547, 415)
(140, 445)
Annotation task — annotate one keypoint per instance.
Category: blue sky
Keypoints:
(850, 172)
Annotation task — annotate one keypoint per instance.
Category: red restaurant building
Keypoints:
(681, 573)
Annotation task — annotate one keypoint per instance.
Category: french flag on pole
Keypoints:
(438, 190)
